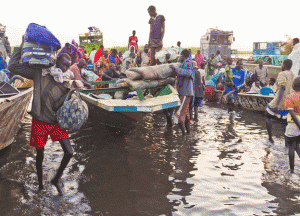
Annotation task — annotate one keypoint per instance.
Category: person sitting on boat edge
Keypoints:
(76, 69)
(111, 74)
(255, 88)
(276, 108)
(272, 84)
(44, 122)
(262, 73)
(185, 88)
(292, 131)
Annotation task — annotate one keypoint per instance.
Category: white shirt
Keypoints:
(92, 55)
(295, 57)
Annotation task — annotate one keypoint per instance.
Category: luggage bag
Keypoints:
(40, 47)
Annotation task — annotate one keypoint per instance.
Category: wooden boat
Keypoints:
(12, 111)
(124, 114)
(273, 69)
(254, 102)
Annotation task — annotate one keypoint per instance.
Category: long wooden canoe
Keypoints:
(254, 102)
(274, 70)
(125, 113)
(12, 111)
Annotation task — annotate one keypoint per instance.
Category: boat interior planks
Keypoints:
(125, 113)
(254, 102)
(12, 111)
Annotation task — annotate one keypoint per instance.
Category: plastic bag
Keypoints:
(161, 55)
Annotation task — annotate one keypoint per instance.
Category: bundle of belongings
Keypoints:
(148, 77)
(161, 55)
(40, 47)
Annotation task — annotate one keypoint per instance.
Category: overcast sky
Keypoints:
(186, 21)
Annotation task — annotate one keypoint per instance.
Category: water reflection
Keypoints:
(224, 167)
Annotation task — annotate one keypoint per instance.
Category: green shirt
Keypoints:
(228, 73)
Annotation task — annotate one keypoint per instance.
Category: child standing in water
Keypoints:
(292, 132)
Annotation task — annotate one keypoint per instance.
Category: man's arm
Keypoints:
(281, 92)
(184, 72)
(128, 42)
(294, 117)
(106, 76)
(16, 68)
(163, 29)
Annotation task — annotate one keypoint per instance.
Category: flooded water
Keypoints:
(225, 167)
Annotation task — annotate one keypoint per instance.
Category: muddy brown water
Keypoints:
(225, 167)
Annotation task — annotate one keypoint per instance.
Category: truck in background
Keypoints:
(92, 39)
(215, 40)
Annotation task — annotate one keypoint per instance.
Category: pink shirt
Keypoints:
(75, 69)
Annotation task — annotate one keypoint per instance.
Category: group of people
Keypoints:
(285, 106)
(74, 64)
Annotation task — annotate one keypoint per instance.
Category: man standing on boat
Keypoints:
(157, 32)
(262, 73)
(133, 41)
(295, 57)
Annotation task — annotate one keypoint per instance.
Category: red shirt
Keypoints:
(133, 41)
(98, 55)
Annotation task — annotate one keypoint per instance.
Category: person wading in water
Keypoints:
(185, 88)
(292, 132)
(44, 107)
(276, 108)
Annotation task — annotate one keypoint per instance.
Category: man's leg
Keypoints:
(39, 166)
(292, 144)
(152, 62)
(68, 153)
(195, 113)
(269, 128)
(187, 117)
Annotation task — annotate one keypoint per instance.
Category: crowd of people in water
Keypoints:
(197, 79)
